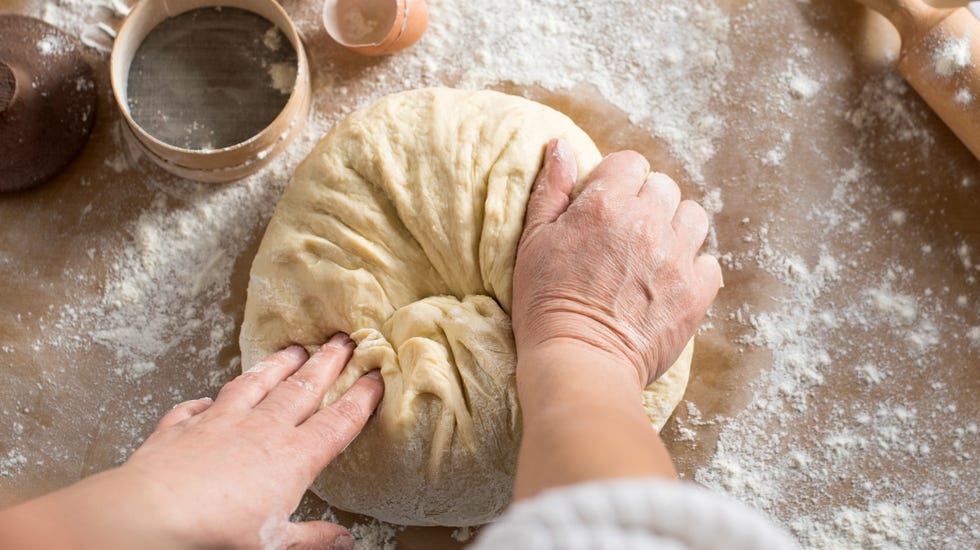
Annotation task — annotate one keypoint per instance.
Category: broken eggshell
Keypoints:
(375, 27)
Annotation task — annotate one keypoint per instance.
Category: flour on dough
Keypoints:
(401, 228)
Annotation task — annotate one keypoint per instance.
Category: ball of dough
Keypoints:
(401, 229)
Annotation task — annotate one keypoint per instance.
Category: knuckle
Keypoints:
(249, 376)
(248, 381)
(629, 157)
(663, 179)
(274, 411)
(661, 257)
(303, 383)
(600, 204)
(348, 414)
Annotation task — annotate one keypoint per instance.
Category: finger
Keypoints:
(707, 273)
(623, 172)
(662, 193)
(551, 190)
(333, 427)
(299, 396)
(691, 225)
(318, 534)
(250, 387)
(183, 411)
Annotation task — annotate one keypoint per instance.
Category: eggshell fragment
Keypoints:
(375, 27)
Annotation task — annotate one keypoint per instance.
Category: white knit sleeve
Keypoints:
(632, 514)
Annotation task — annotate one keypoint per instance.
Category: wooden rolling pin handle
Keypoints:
(8, 86)
(941, 60)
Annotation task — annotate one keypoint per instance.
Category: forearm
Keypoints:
(97, 512)
(32, 525)
(48, 522)
(583, 420)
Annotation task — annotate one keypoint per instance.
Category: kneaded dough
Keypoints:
(401, 228)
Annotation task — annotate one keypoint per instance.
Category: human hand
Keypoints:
(616, 270)
(230, 473)
(226, 474)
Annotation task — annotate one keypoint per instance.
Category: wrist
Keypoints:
(579, 407)
(554, 360)
(563, 376)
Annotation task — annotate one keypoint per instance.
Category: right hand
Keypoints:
(617, 270)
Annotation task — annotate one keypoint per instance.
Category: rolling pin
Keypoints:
(940, 59)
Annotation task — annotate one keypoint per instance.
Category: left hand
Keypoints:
(616, 272)
(227, 474)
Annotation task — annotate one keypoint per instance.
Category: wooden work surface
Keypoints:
(848, 219)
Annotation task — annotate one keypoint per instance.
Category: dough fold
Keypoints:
(401, 229)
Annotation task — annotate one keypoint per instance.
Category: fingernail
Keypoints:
(549, 149)
(376, 374)
(297, 351)
(343, 542)
(560, 149)
(206, 400)
(340, 339)
(640, 169)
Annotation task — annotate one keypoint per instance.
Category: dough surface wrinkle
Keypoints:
(401, 229)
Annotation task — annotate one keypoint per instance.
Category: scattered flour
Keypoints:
(951, 56)
(283, 76)
(973, 334)
(774, 157)
(802, 86)
(869, 374)
(683, 47)
(847, 473)
(11, 463)
(53, 45)
(357, 28)
(900, 307)
(963, 97)
(272, 38)
(374, 535)
(882, 525)
(463, 534)
(887, 100)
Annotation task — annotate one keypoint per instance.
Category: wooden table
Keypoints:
(858, 172)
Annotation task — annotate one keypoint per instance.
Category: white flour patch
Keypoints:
(881, 525)
(283, 76)
(272, 39)
(802, 86)
(951, 56)
(554, 43)
(963, 97)
(53, 45)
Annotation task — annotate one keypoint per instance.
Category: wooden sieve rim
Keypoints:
(227, 163)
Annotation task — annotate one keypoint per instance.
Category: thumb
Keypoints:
(319, 535)
(551, 190)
